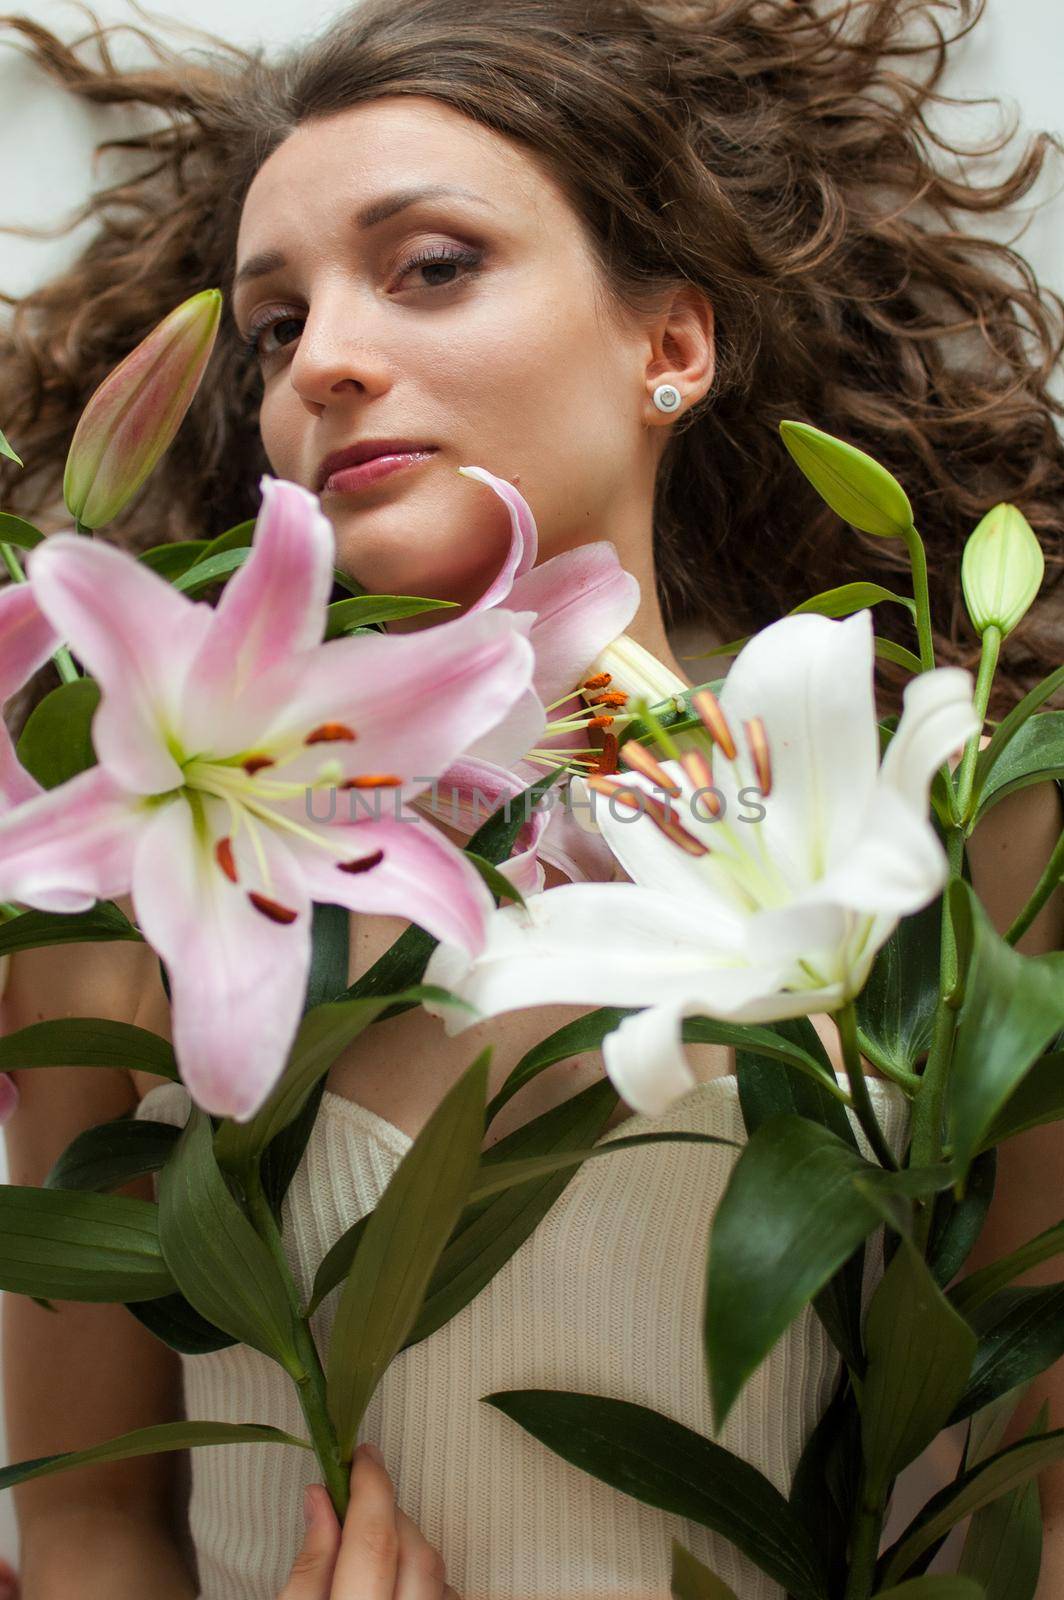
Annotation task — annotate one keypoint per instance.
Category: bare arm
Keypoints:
(85, 1372)
(1007, 853)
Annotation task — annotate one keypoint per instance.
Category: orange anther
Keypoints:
(372, 780)
(329, 731)
(362, 865)
(272, 908)
(223, 854)
(713, 720)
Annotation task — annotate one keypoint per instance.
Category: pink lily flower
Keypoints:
(27, 639)
(215, 726)
(581, 601)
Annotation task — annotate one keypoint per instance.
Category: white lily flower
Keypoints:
(761, 887)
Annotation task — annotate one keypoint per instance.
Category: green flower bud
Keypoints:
(1001, 569)
(853, 483)
(132, 418)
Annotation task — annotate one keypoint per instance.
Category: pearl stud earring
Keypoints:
(667, 397)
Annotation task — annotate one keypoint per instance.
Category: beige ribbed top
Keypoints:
(605, 1297)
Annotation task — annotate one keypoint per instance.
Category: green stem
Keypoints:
(864, 1548)
(921, 594)
(846, 1022)
(1052, 874)
(64, 661)
(311, 1388)
(927, 1107)
(987, 664)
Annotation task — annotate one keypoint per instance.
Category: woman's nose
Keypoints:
(336, 355)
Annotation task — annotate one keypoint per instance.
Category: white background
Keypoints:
(1016, 53)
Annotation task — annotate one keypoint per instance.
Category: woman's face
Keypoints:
(469, 322)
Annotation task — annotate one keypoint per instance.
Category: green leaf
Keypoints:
(663, 1464)
(824, 1487)
(323, 1033)
(798, 1202)
(179, 1325)
(853, 483)
(497, 882)
(890, 651)
(919, 1355)
(850, 597)
(1034, 755)
(764, 1091)
(976, 1288)
(957, 1224)
(160, 1437)
(1003, 1545)
(1009, 728)
(896, 1007)
(1013, 1006)
(488, 1231)
(692, 1579)
(404, 1239)
(363, 610)
(88, 1042)
(219, 1262)
(234, 538)
(1017, 1464)
(172, 559)
(69, 1246)
(209, 569)
(112, 1154)
(6, 450)
(16, 530)
(33, 929)
(934, 1586)
(1037, 1098)
(1021, 1334)
(326, 980)
(56, 742)
(587, 1033)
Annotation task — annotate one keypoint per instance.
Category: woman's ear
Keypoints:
(683, 346)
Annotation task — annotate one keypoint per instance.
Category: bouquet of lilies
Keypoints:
(181, 762)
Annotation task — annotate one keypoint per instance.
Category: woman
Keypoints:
(490, 234)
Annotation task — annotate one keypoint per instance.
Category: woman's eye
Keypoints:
(453, 261)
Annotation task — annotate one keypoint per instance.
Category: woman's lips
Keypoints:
(348, 479)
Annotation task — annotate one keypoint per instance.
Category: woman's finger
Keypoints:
(311, 1577)
(422, 1572)
(367, 1565)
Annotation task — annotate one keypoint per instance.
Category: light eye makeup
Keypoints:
(462, 258)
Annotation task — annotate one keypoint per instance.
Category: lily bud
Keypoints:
(1001, 569)
(635, 671)
(132, 418)
(853, 483)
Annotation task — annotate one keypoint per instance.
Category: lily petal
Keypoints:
(937, 716)
(71, 845)
(645, 1057)
(415, 701)
(27, 639)
(583, 600)
(422, 874)
(137, 636)
(586, 944)
(810, 680)
(524, 538)
(237, 977)
(272, 605)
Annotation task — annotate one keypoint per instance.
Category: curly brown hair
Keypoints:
(774, 153)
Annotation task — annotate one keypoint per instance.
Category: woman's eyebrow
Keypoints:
(374, 212)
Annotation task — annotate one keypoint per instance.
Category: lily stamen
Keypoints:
(714, 721)
(637, 756)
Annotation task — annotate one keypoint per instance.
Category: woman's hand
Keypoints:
(379, 1554)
